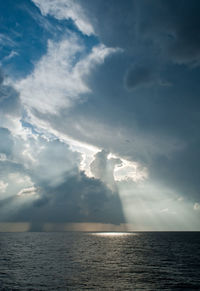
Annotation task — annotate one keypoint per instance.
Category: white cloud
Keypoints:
(3, 186)
(14, 182)
(164, 210)
(110, 169)
(3, 157)
(27, 191)
(11, 55)
(66, 9)
(6, 40)
(197, 206)
(58, 78)
(19, 179)
(130, 171)
(180, 199)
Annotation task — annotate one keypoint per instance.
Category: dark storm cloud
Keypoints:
(180, 170)
(173, 27)
(77, 199)
(113, 20)
(168, 29)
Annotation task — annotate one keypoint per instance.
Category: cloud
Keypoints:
(9, 99)
(66, 9)
(53, 162)
(111, 169)
(165, 32)
(41, 178)
(51, 187)
(1, 77)
(58, 79)
(130, 171)
(196, 206)
(27, 191)
(139, 76)
(11, 55)
(77, 199)
(3, 186)
(6, 144)
(107, 18)
(173, 28)
(185, 45)
(103, 168)
(10, 109)
(5, 40)
(164, 210)
(41, 181)
(144, 75)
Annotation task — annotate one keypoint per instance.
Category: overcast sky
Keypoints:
(100, 113)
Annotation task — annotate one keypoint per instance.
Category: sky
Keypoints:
(99, 115)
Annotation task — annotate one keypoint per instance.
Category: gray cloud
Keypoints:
(6, 144)
(9, 99)
(160, 33)
(77, 199)
(54, 162)
(1, 77)
(139, 76)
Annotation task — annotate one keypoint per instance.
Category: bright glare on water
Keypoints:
(111, 234)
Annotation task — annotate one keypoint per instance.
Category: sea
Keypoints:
(100, 261)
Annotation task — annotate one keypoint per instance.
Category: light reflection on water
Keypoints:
(112, 234)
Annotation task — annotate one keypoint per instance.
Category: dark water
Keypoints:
(84, 261)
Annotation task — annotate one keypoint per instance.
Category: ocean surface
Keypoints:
(100, 261)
